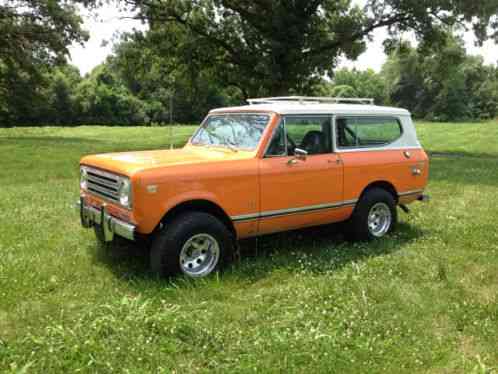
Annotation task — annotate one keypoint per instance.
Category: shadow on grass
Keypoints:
(314, 250)
(464, 170)
(463, 154)
(126, 259)
(47, 141)
(324, 249)
(94, 145)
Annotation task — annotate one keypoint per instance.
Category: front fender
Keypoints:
(157, 207)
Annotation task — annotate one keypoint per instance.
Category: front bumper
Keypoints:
(91, 216)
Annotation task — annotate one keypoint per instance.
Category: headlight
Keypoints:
(124, 192)
(83, 178)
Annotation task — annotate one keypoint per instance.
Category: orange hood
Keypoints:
(128, 163)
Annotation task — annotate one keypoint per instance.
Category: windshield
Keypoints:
(232, 130)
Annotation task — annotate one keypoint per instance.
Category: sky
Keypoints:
(110, 23)
(103, 31)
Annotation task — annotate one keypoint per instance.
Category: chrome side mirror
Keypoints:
(300, 154)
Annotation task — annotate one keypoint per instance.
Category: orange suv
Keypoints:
(276, 164)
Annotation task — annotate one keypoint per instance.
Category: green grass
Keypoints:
(423, 300)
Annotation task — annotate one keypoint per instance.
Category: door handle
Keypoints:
(292, 161)
(337, 161)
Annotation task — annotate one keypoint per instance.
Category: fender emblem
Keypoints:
(152, 188)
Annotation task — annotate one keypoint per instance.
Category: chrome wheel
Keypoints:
(199, 255)
(379, 219)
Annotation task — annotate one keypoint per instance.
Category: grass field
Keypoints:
(423, 300)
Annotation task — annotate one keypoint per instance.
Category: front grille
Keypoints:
(103, 184)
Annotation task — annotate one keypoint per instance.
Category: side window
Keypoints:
(367, 132)
(311, 134)
(346, 132)
(277, 144)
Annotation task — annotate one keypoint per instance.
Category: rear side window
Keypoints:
(356, 132)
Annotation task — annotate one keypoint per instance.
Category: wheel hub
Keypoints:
(199, 255)
(379, 219)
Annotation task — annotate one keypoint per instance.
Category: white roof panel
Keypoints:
(316, 108)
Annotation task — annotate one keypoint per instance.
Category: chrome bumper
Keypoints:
(91, 216)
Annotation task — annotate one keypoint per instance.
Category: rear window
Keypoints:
(356, 132)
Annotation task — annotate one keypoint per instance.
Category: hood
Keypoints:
(128, 163)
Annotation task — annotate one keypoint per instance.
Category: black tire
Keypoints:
(168, 243)
(358, 226)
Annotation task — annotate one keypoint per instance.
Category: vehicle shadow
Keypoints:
(315, 250)
(324, 248)
(126, 259)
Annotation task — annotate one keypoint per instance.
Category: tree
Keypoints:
(275, 47)
(355, 83)
(60, 106)
(104, 100)
(404, 79)
(38, 31)
(153, 73)
(441, 82)
(34, 35)
(482, 82)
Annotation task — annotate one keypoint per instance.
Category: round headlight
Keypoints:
(83, 178)
(125, 192)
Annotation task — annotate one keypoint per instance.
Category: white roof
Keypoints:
(316, 108)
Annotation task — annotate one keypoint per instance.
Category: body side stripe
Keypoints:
(282, 212)
(412, 192)
(307, 209)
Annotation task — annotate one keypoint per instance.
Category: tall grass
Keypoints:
(422, 300)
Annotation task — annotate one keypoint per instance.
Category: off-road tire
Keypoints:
(357, 227)
(169, 241)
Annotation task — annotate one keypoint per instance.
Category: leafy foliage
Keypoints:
(151, 71)
(441, 82)
(34, 35)
(355, 83)
(276, 47)
(197, 55)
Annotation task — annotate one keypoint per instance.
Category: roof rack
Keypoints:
(311, 100)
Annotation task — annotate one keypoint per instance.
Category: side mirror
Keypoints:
(300, 154)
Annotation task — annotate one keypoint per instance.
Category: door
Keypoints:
(298, 191)
(374, 149)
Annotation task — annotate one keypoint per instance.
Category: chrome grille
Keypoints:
(103, 184)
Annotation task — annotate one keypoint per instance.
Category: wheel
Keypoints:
(195, 244)
(374, 216)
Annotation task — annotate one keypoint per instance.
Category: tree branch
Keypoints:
(358, 35)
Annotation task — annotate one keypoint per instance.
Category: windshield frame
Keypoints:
(234, 113)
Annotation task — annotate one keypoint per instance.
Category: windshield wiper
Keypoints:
(229, 144)
(224, 140)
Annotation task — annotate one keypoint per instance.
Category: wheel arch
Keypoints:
(199, 205)
(385, 185)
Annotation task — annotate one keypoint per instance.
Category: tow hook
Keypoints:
(404, 208)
